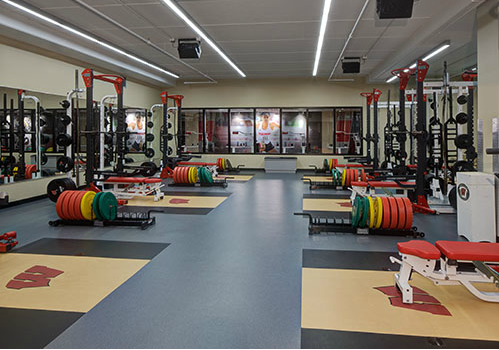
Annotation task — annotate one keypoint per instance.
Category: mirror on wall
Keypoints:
(19, 136)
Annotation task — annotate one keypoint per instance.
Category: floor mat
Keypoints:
(327, 204)
(41, 294)
(179, 203)
(234, 178)
(337, 298)
(318, 178)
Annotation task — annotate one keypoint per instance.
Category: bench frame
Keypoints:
(127, 190)
(446, 275)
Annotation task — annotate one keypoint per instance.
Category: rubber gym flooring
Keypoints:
(234, 278)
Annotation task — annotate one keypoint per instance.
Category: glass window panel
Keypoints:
(217, 131)
(268, 130)
(294, 131)
(321, 131)
(136, 121)
(242, 131)
(193, 119)
(348, 131)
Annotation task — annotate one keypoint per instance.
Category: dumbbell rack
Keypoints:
(124, 218)
(316, 225)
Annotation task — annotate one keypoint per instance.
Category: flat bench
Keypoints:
(130, 187)
(422, 256)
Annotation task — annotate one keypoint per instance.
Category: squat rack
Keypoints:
(90, 129)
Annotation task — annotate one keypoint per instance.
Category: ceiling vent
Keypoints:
(350, 65)
(392, 9)
(189, 48)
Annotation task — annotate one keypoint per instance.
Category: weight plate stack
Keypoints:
(86, 201)
(65, 164)
(394, 213)
(365, 212)
(325, 165)
(57, 186)
(401, 213)
(356, 211)
(387, 213)
(208, 176)
(378, 212)
(95, 206)
(409, 213)
(108, 206)
(69, 204)
(59, 204)
(30, 169)
(77, 206)
(371, 217)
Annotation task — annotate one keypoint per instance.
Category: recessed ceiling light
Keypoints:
(322, 31)
(88, 37)
(202, 34)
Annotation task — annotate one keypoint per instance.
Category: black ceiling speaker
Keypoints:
(189, 48)
(389, 9)
(351, 65)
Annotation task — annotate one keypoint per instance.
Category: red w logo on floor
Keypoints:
(422, 301)
(36, 276)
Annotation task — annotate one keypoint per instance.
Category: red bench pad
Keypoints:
(422, 249)
(385, 184)
(196, 163)
(133, 180)
(469, 250)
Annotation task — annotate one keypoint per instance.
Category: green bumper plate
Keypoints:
(357, 211)
(95, 206)
(365, 212)
(108, 206)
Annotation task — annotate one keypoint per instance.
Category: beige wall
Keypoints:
(37, 73)
(488, 73)
(308, 92)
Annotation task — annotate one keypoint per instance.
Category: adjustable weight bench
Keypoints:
(422, 256)
(129, 187)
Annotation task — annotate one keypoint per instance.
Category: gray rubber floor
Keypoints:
(229, 279)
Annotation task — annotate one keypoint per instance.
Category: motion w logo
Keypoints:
(36, 276)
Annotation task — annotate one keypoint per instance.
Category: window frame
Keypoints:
(255, 151)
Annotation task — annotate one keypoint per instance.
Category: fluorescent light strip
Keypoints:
(436, 52)
(322, 31)
(202, 35)
(88, 37)
(431, 55)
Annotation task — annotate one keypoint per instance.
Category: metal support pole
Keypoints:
(164, 134)
(421, 129)
(368, 135)
(376, 96)
(90, 149)
(402, 127)
(102, 129)
(21, 134)
(121, 140)
(36, 139)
